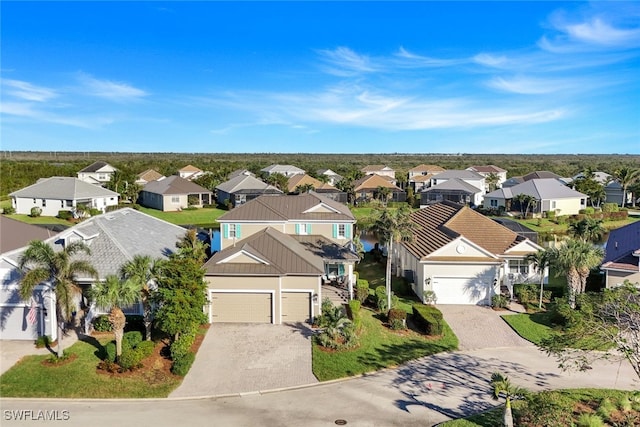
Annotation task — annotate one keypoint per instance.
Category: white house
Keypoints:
(286, 170)
(489, 170)
(97, 173)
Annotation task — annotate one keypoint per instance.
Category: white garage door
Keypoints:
(462, 290)
(14, 325)
(296, 307)
(241, 307)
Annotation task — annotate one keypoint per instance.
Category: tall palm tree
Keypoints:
(393, 226)
(191, 246)
(575, 258)
(40, 263)
(626, 176)
(502, 386)
(304, 188)
(587, 229)
(112, 294)
(140, 270)
(540, 261)
(492, 180)
(383, 194)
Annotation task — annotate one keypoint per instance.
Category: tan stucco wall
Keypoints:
(617, 278)
(248, 229)
(450, 250)
(567, 206)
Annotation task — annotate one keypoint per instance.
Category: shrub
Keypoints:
(590, 420)
(550, 214)
(624, 404)
(133, 338)
(146, 348)
(499, 301)
(428, 319)
(362, 290)
(587, 211)
(606, 408)
(547, 408)
(110, 351)
(397, 318)
(609, 207)
(43, 341)
(527, 293)
(381, 298)
(9, 210)
(182, 365)
(94, 212)
(356, 316)
(180, 347)
(66, 215)
(101, 323)
(561, 220)
(35, 212)
(130, 358)
(430, 297)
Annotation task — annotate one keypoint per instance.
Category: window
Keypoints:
(232, 231)
(494, 203)
(44, 203)
(583, 202)
(303, 229)
(62, 203)
(175, 199)
(102, 177)
(553, 204)
(69, 203)
(518, 266)
(342, 231)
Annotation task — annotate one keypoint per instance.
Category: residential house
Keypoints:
(239, 172)
(286, 170)
(489, 170)
(515, 180)
(380, 170)
(420, 176)
(612, 188)
(97, 173)
(622, 256)
(174, 194)
(16, 234)
(320, 187)
(276, 253)
(143, 178)
(190, 172)
(114, 238)
(242, 188)
(368, 187)
(59, 193)
(549, 195)
(466, 187)
(333, 178)
(462, 256)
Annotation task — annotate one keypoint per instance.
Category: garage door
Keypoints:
(241, 307)
(462, 290)
(14, 325)
(296, 307)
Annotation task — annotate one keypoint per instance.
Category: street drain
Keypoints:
(340, 422)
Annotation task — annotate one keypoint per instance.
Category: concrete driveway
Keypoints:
(241, 358)
(480, 327)
(11, 351)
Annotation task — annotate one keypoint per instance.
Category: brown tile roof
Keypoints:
(422, 178)
(427, 168)
(628, 262)
(372, 182)
(288, 207)
(149, 175)
(283, 254)
(16, 234)
(190, 168)
(374, 168)
(441, 223)
(305, 179)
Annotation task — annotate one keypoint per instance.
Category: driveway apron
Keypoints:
(480, 327)
(242, 358)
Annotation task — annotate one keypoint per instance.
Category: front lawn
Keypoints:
(79, 378)
(379, 348)
(204, 217)
(40, 220)
(533, 327)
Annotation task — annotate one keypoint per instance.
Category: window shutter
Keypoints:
(347, 231)
(340, 269)
(297, 228)
(308, 228)
(225, 231)
(238, 234)
(335, 231)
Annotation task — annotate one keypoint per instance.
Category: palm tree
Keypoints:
(587, 229)
(626, 176)
(191, 246)
(278, 180)
(503, 386)
(304, 188)
(575, 258)
(140, 270)
(383, 194)
(40, 263)
(523, 201)
(492, 180)
(540, 261)
(393, 226)
(111, 295)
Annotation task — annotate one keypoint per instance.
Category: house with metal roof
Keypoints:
(174, 194)
(278, 254)
(59, 193)
(97, 173)
(622, 256)
(463, 256)
(549, 195)
(466, 187)
(318, 186)
(113, 238)
(242, 188)
(286, 170)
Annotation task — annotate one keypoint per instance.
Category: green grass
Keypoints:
(544, 225)
(532, 327)
(80, 379)
(42, 220)
(201, 217)
(379, 348)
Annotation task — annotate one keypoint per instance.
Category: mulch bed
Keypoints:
(53, 363)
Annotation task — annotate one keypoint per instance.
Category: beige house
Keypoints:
(97, 173)
(174, 194)
(147, 176)
(368, 187)
(463, 256)
(190, 172)
(423, 169)
(381, 170)
(277, 253)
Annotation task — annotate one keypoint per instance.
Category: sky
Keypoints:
(321, 77)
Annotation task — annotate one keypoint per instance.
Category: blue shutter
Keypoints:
(297, 228)
(340, 269)
(335, 231)
(347, 231)
(238, 235)
(308, 228)
(225, 231)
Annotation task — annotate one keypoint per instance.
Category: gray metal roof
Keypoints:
(454, 184)
(325, 248)
(549, 188)
(95, 167)
(462, 174)
(246, 183)
(63, 188)
(282, 169)
(174, 185)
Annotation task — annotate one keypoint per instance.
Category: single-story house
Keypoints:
(59, 193)
(97, 173)
(147, 176)
(242, 188)
(190, 172)
(286, 170)
(113, 238)
(367, 188)
(622, 256)
(462, 256)
(320, 187)
(549, 194)
(454, 190)
(173, 194)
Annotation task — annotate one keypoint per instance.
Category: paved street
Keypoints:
(423, 392)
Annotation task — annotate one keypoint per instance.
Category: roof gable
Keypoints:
(427, 168)
(98, 167)
(373, 182)
(63, 188)
(246, 183)
(244, 256)
(174, 185)
(302, 179)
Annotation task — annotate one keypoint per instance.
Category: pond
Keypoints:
(368, 240)
(203, 235)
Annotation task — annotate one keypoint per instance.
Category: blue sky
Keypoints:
(321, 77)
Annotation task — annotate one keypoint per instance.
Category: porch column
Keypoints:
(350, 280)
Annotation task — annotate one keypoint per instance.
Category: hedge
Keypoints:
(428, 319)
(182, 365)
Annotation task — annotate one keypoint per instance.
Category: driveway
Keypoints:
(11, 351)
(241, 358)
(480, 327)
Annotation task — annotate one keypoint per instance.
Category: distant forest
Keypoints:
(21, 168)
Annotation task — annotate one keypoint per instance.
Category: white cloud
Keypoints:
(29, 111)
(598, 32)
(533, 86)
(490, 60)
(27, 91)
(415, 60)
(345, 62)
(114, 91)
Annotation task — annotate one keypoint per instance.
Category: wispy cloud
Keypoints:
(344, 62)
(415, 60)
(30, 111)
(27, 91)
(111, 90)
(536, 86)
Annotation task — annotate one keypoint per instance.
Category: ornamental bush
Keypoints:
(397, 318)
(101, 323)
(182, 365)
(66, 215)
(362, 290)
(428, 319)
(133, 338)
